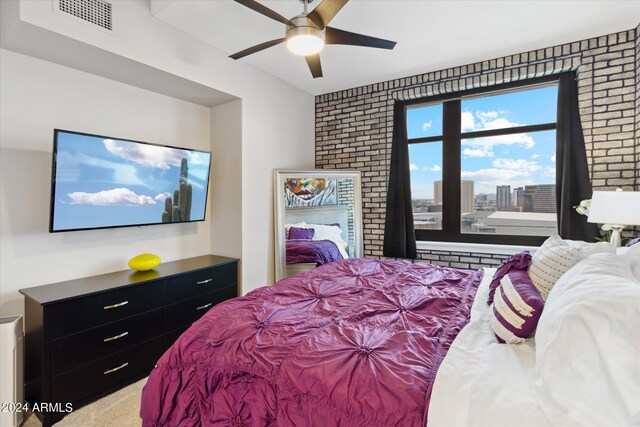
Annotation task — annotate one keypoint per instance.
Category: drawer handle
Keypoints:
(202, 307)
(117, 368)
(120, 304)
(116, 337)
(202, 282)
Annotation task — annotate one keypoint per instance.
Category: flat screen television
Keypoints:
(104, 182)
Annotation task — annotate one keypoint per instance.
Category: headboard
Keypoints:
(331, 214)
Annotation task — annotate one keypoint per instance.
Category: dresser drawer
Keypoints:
(83, 347)
(201, 282)
(84, 313)
(187, 312)
(87, 380)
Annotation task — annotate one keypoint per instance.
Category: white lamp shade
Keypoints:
(615, 207)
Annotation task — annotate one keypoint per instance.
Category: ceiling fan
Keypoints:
(306, 34)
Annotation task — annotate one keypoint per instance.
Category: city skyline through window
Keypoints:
(507, 146)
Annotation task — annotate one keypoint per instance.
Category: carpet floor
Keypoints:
(119, 409)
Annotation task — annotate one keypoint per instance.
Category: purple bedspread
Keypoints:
(352, 343)
(319, 252)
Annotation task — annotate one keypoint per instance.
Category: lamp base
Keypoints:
(616, 238)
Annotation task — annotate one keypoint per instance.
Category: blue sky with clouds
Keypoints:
(515, 160)
(108, 182)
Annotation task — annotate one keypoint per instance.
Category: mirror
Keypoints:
(318, 215)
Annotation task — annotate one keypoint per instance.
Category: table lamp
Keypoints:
(615, 209)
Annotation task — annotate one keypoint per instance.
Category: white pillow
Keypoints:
(297, 224)
(622, 250)
(332, 233)
(588, 345)
(633, 252)
(554, 258)
(589, 249)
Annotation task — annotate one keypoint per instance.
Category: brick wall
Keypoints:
(354, 126)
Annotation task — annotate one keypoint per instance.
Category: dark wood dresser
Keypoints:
(88, 337)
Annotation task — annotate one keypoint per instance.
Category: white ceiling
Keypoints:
(431, 35)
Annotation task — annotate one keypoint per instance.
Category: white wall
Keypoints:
(38, 96)
(226, 188)
(277, 128)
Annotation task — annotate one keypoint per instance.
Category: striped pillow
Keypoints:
(554, 258)
(519, 261)
(516, 308)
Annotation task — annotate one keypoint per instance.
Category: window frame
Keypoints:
(451, 138)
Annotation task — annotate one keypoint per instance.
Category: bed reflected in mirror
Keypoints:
(318, 219)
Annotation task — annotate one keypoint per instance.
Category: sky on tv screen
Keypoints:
(103, 182)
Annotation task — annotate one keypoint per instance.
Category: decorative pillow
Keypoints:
(287, 227)
(518, 261)
(296, 233)
(554, 258)
(632, 242)
(516, 308)
(555, 240)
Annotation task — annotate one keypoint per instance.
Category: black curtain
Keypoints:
(572, 171)
(399, 235)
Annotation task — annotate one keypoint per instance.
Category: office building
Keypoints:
(518, 197)
(466, 195)
(503, 197)
(540, 198)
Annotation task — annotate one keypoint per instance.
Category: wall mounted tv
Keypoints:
(104, 182)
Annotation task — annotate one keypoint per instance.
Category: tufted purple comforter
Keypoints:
(312, 251)
(352, 343)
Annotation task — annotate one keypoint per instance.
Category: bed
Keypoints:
(483, 382)
(581, 369)
(316, 252)
(329, 241)
(363, 342)
(298, 353)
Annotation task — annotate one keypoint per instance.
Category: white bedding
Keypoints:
(588, 345)
(483, 383)
(583, 372)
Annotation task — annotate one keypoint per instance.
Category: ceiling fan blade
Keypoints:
(256, 48)
(313, 61)
(325, 11)
(254, 5)
(336, 36)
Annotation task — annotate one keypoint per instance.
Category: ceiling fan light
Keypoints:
(304, 39)
(305, 45)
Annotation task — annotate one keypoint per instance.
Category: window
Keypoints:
(424, 130)
(482, 165)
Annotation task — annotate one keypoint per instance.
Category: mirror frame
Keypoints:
(280, 176)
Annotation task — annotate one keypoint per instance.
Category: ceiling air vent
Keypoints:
(97, 12)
